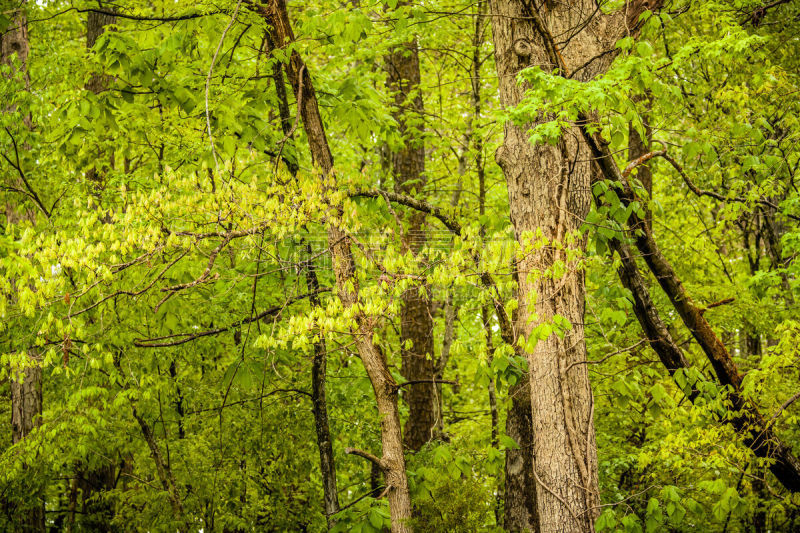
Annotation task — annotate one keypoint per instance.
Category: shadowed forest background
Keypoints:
(441, 265)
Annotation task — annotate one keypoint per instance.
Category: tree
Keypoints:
(215, 313)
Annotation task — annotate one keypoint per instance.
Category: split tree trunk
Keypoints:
(416, 315)
(320, 407)
(385, 388)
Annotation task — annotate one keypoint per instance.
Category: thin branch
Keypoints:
(137, 17)
(153, 343)
(18, 167)
(783, 407)
(413, 203)
(366, 455)
(758, 14)
(612, 354)
(418, 381)
(712, 194)
(211, 72)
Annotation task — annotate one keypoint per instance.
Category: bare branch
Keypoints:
(366, 455)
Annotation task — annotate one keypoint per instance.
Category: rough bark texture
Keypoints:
(14, 41)
(549, 193)
(416, 316)
(95, 27)
(646, 313)
(548, 190)
(383, 384)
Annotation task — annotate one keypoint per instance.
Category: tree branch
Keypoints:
(418, 381)
(366, 455)
(153, 343)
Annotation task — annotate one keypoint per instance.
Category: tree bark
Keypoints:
(372, 357)
(320, 361)
(14, 41)
(548, 190)
(520, 511)
(747, 420)
(26, 393)
(26, 413)
(95, 27)
(320, 406)
(416, 315)
(549, 197)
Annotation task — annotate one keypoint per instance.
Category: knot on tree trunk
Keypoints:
(523, 48)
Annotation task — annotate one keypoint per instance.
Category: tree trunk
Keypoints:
(14, 40)
(26, 392)
(756, 432)
(383, 384)
(95, 27)
(548, 190)
(319, 364)
(26, 412)
(416, 316)
(520, 511)
(165, 475)
(320, 407)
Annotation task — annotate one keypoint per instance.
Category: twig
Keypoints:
(18, 167)
(208, 79)
(623, 350)
(785, 404)
(417, 381)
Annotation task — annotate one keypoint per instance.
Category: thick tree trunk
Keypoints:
(416, 316)
(95, 27)
(14, 40)
(548, 190)
(549, 198)
(383, 384)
